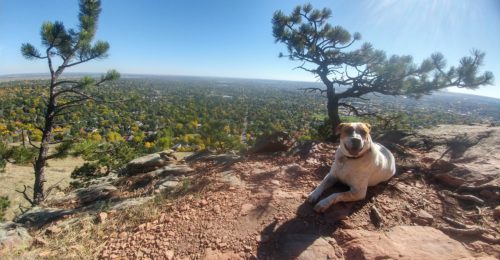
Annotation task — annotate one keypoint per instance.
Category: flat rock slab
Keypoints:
(38, 217)
(171, 169)
(401, 242)
(86, 196)
(149, 162)
(13, 236)
(131, 202)
(307, 246)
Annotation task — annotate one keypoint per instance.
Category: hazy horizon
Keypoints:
(41, 75)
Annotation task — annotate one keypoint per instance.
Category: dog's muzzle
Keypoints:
(356, 144)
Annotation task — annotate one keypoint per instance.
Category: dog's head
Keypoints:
(354, 138)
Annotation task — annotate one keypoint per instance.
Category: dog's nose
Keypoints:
(356, 143)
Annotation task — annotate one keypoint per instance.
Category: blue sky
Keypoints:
(233, 38)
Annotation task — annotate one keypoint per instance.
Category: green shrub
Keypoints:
(87, 170)
(84, 174)
(22, 155)
(322, 131)
(112, 156)
(3, 155)
(4, 204)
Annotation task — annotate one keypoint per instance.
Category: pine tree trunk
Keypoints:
(333, 108)
(41, 160)
(38, 189)
(333, 113)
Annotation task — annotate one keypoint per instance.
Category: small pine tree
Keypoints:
(71, 47)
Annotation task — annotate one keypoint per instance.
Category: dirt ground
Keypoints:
(256, 209)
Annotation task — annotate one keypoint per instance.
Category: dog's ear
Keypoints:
(368, 126)
(339, 128)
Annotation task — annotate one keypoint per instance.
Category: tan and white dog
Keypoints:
(359, 163)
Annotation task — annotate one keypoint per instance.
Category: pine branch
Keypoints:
(25, 196)
(66, 82)
(73, 103)
(49, 189)
(30, 52)
(29, 141)
(310, 90)
(313, 71)
(355, 110)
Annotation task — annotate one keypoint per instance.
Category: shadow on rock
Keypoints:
(38, 217)
(309, 234)
(304, 237)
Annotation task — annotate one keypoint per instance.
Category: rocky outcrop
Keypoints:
(38, 216)
(13, 236)
(89, 195)
(171, 170)
(306, 246)
(207, 156)
(149, 163)
(124, 204)
(400, 242)
(259, 202)
(462, 157)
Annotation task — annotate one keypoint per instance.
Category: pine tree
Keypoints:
(71, 48)
(327, 52)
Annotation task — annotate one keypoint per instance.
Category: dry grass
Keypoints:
(85, 238)
(16, 176)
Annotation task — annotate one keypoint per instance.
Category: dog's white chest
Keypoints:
(368, 170)
(352, 171)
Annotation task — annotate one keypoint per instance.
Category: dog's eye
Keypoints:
(362, 132)
(349, 131)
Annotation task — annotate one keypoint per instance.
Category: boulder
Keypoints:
(13, 236)
(171, 169)
(38, 216)
(86, 196)
(276, 142)
(231, 178)
(168, 183)
(401, 242)
(216, 158)
(149, 162)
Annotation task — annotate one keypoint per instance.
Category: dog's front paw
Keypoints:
(313, 196)
(322, 206)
